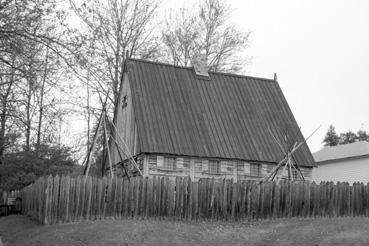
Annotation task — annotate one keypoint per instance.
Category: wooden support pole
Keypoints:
(108, 150)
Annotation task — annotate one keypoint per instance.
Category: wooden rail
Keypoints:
(64, 199)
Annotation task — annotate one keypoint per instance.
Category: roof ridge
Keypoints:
(210, 72)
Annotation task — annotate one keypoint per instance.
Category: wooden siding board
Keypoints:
(227, 116)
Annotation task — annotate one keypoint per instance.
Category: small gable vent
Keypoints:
(200, 65)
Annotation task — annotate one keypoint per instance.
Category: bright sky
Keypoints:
(320, 52)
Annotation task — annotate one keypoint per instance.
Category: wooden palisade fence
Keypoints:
(65, 199)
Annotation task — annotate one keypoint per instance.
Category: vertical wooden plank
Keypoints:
(276, 200)
(72, 194)
(138, 196)
(61, 204)
(114, 198)
(125, 197)
(82, 198)
(131, 193)
(149, 196)
(66, 197)
(77, 199)
(195, 199)
(110, 197)
(94, 200)
(88, 195)
(104, 184)
(48, 200)
(99, 198)
(119, 197)
(177, 188)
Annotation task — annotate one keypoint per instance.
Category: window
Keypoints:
(170, 163)
(152, 161)
(240, 167)
(214, 167)
(255, 170)
(295, 174)
(186, 163)
(198, 166)
(139, 162)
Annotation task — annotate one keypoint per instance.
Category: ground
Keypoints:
(19, 230)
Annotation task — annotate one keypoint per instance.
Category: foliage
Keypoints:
(333, 139)
(22, 168)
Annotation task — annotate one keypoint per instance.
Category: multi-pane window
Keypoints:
(170, 163)
(295, 174)
(152, 161)
(240, 167)
(139, 162)
(255, 169)
(186, 163)
(198, 166)
(214, 166)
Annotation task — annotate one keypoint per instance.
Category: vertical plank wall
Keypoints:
(65, 199)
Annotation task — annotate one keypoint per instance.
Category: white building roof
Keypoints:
(342, 151)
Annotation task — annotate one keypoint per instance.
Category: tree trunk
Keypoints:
(4, 113)
(28, 117)
(41, 103)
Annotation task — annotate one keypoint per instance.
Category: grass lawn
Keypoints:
(19, 230)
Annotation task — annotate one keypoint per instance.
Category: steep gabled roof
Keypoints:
(344, 151)
(228, 116)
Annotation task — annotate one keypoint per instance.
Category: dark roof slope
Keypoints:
(344, 151)
(228, 116)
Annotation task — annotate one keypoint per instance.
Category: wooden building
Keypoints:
(181, 121)
(343, 163)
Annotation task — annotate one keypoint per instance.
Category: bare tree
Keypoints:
(114, 27)
(206, 31)
(32, 45)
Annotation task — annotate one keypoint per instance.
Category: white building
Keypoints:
(348, 162)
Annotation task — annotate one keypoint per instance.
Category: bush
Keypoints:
(22, 168)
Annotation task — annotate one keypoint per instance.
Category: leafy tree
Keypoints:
(22, 168)
(204, 32)
(362, 135)
(347, 137)
(331, 138)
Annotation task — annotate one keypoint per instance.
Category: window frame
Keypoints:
(259, 172)
(173, 166)
(217, 169)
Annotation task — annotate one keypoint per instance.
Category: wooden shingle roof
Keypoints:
(228, 116)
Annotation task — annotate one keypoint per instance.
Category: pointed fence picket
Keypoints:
(69, 199)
